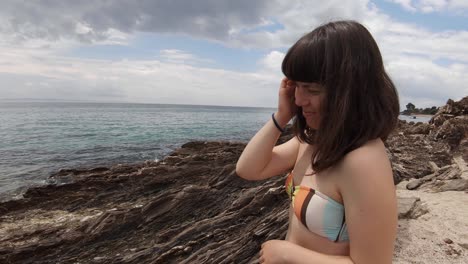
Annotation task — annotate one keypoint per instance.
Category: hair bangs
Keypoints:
(304, 62)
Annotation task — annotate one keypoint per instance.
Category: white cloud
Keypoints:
(145, 81)
(406, 4)
(272, 62)
(182, 57)
(424, 83)
(454, 4)
(458, 7)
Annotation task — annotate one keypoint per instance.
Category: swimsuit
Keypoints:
(319, 213)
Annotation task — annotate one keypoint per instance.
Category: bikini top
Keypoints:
(317, 212)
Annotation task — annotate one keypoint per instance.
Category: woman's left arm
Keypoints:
(370, 204)
(281, 252)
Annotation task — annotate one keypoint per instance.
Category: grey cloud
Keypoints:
(54, 19)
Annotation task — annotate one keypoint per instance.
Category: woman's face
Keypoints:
(309, 97)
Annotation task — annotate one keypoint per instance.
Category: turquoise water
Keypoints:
(38, 139)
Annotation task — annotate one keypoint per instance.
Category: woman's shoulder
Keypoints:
(372, 151)
(369, 160)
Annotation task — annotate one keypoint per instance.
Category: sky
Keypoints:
(215, 52)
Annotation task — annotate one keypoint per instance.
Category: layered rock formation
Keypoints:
(191, 207)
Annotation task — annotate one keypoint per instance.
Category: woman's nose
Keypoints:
(300, 100)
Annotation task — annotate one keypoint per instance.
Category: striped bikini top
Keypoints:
(319, 213)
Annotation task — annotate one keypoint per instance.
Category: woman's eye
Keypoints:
(313, 91)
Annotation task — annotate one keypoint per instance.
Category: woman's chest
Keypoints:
(325, 182)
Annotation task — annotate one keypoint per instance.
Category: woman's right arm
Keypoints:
(261, 159)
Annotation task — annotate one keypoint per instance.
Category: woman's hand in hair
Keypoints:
(286, 106)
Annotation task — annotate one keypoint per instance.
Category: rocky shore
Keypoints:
(191, 207)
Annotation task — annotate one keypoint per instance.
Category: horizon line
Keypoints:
(34, 100)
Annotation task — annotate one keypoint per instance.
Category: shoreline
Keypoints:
(422, 115)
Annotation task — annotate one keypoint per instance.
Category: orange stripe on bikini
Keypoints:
(316, 211)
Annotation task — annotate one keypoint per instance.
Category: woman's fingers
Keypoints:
(286, 102)
(261, 259)
(284, 82)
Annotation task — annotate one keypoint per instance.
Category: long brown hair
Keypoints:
(361, 101)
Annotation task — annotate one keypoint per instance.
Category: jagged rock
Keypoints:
(416, 150)
(452, 185)
(452, 131)
(410, 208)
(453, 108)
(420, 128)
(451, 122)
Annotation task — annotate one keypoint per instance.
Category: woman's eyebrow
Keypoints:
(312, 86)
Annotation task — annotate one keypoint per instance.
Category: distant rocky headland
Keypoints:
(191, 207)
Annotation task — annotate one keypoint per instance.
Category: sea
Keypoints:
(39, 138)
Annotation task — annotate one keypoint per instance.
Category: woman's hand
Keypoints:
(274, 252)
(286, 106)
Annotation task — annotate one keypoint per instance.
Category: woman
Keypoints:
(340, 181)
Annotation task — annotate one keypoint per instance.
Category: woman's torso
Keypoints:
(326, 183)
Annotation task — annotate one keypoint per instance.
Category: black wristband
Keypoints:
(276, 123)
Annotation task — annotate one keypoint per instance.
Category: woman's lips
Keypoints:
(308, 114)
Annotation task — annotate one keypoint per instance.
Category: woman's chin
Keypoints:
(312, 124)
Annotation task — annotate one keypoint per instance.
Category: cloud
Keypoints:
(181, 57)
(399, 39)
(238, 23)
(406, 4)
(298, 17)
(458, 7)
(423, 82)
(428, 67)
(272, 62)
(94, 21)
(144, 81)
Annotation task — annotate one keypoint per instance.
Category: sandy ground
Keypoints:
(424, 240)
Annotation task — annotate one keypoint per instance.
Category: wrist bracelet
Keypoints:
(276, 123)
